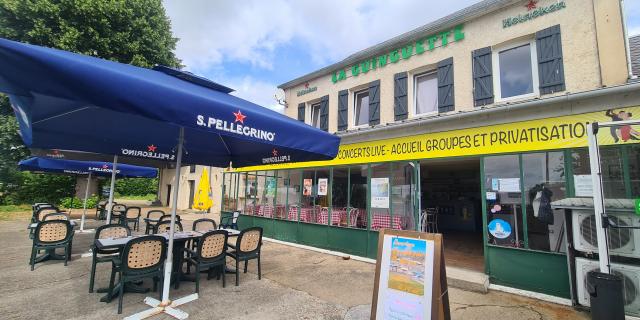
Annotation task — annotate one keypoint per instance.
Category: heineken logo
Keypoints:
(306, 90)
(533, 12)
(237, 126)
(276, 158)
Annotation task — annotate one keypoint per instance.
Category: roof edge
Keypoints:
(451, 20)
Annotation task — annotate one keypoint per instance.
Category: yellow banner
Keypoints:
(541, 134)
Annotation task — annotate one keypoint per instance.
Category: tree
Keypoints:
(136, 32)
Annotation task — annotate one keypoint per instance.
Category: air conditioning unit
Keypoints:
(622, 242)
(630, 283)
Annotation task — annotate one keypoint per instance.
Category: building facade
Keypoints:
(454, 128)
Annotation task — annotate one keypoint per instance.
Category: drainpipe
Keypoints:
(626, 40)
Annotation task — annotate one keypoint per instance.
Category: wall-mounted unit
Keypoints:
(622, 242)
(630, 283)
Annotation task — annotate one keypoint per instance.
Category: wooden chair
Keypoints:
(141, 258)
(164, 226)
(153, 214)
(132, 214)
(210, 252)
(51, 235)
(100, 256)
(247, 248)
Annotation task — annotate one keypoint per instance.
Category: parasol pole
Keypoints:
(84, 207)
(113, 186)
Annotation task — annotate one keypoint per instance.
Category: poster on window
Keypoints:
(380, 193)
(323, 185)
(307, 187)
(509, 185)
(271, 187)
(583, 185)
(410, 283)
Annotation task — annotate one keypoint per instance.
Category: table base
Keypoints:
(169, 307)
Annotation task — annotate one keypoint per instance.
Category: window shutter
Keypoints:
(301, 110)
(374, 103)
(324, 113)
(445, 85)
(482, 77)
(343, 100)
(550, 65)
(400, 110)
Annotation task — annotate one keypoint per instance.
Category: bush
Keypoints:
(136, 186)
(78, 203)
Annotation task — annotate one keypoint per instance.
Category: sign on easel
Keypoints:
(411, 281)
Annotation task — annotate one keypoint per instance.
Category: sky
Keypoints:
(253, 46)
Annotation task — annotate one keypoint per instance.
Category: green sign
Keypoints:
(419, 47)
(534, 12)
(637, 206)
(306, 90)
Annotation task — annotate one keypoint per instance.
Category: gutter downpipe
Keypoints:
(625, 34)
(563, 98)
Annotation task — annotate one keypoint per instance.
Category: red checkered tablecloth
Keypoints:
(293, 213)
(250, 210)
(280, 212)
(307, 214)
(266, 211)
(323, 218)
(384, 221)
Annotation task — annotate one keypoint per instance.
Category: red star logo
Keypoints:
(152, 148)
(275, 152)
(531, 5)
(306, 85)
(239, 116)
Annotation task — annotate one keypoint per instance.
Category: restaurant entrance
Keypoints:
(451, 192)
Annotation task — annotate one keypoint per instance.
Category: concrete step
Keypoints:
(466, 279)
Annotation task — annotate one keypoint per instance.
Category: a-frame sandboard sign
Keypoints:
(411, 280)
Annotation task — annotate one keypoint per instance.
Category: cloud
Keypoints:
(256, 91)
(214, 32)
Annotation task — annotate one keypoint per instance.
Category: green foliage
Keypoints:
(147, 197)
(14, 208)
(78, 203)
(137, 32)
(136, 186)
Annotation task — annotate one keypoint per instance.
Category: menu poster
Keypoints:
(509, 185)
(307, 187)
(323, 185)
(380, 193)
(410, 277)
(583, 185)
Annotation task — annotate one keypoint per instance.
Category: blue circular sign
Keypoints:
(499, 228)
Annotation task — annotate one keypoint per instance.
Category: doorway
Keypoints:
(451, 194)
(168, 201)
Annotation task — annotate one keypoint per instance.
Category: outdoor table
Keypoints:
(384, 221)
(323, 218)
(180, 239)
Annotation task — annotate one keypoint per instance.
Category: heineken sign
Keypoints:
(306, 90)
(533, 12)
(419, 47)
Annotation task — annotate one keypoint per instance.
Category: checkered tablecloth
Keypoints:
(293, 213)
(384, 221)
(250, 210)
(266, 211)
(355, 214)
(280, 212)
(323, 217)
(307, 214)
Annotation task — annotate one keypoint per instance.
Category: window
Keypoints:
(361, 103)
(517, 72)
(426, 93)
(315, 115)
(504, 201)
(612, 174)
(192, 169)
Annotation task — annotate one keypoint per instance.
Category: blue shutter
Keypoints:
(324, 113)
(445, 85)
(550, 65)
(374, 103)
(301, 110)
(343, 101)
(482, 77)
(400, 109)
